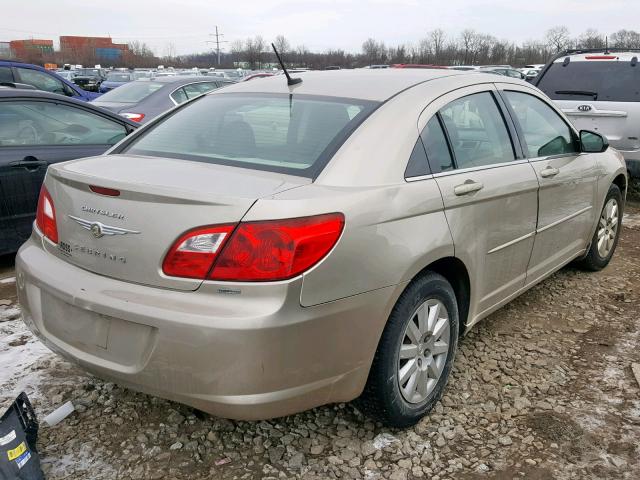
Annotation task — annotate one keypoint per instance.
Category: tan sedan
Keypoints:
(266, 248)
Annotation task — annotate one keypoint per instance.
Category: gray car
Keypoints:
(267, 248)
(143, 100)
(598, 90)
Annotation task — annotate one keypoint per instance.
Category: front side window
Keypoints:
(41, 80)
(545, 133)
(294, 134)
(44, 123)
(477, 131)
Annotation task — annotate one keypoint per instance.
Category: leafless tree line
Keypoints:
(470, 47)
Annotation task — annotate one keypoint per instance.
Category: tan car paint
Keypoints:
(249, 351)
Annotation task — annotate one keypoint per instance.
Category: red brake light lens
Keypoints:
(111, 192)
(193, 254)
(600, 57)
(277, 249)
(46, 216)
(135, 117)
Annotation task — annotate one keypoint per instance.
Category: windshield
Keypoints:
(273, 132)
(139, 75)
(612, 81)
(132, 92)
(118, 77)
(89, 72)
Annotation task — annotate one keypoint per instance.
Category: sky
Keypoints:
(185, 26)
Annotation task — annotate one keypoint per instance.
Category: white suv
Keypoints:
(599, 90)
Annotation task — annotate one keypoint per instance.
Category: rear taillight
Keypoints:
(193, 254)
(600, 57)
(135, 117)
(254, 251)
(277, 249)
(46, 216)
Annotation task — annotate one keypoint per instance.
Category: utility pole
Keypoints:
(217, 42)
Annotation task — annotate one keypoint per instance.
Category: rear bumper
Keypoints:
(253, 355)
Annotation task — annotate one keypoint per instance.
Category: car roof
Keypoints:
(9, 92)
(177, 80)
(365, 84)
(599, 55)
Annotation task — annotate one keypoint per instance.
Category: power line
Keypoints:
(217, 42)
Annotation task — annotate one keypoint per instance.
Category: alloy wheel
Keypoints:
(608, 228)
(423, 352)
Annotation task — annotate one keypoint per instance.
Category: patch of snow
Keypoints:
(84, 461)
(631, 220)
(383, 440)
(19, 361)
(4, 281)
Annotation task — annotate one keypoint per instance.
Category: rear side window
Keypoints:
(435, 144)
(477, 131)
(607, 81)
(418, 164)
(195, 89)
(5, 74)
(294, 134)
(545, 133)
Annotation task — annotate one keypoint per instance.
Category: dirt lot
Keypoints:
(542, 389)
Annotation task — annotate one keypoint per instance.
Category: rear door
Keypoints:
(35, 133)
(568, 180)
(489, 190)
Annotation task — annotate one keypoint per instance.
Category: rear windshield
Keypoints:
(294, 134)
(118, 77)
(132, 92)
(606, 81)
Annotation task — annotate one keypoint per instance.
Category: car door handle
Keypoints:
(549, 172)
(30, 163)
(467, 187)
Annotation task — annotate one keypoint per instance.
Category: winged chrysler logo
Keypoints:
(99, 229)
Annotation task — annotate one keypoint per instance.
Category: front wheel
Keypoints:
(415, 354)
(605, 238)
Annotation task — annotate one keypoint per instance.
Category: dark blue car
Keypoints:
(41, 79)
(114, 80)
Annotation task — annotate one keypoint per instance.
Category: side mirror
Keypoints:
(592, 142)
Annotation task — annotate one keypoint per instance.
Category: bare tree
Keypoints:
(590, 39)
(438, 39)
(558, 38)
(282, 45)
(625, 39)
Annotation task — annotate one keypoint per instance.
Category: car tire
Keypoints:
(605, 238)
(391, 394)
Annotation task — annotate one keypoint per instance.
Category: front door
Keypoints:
(568, 182)
(34, 134)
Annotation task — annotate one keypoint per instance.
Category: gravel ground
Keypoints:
(541, 389)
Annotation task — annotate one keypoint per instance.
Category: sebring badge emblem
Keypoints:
(98, 229)
(584, 108)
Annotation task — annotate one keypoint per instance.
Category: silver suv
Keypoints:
(599, 90)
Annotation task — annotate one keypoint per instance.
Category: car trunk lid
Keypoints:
(127, 236)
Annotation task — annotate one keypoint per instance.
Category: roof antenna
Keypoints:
(290, 81)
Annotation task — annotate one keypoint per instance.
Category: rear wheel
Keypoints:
(415, 354)
(605, 238)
